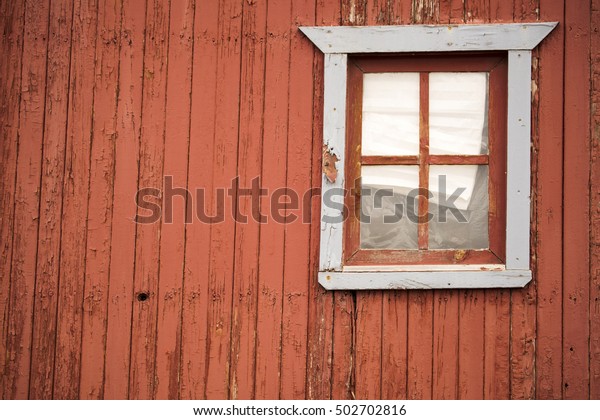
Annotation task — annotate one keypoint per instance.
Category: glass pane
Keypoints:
(458, 113)
(459, 207)
(384, 215)
(390, 118)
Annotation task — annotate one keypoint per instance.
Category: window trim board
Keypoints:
(402, 280)
(517, 40)
(428, 38)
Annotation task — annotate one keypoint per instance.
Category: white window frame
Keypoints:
(518, 39)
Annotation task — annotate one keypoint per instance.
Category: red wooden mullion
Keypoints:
(423, 228)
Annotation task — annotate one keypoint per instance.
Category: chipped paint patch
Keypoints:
(329, 160)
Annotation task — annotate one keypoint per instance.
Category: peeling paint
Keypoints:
(329, 161)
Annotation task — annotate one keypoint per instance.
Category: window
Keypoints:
(426, 160)
(440, 179)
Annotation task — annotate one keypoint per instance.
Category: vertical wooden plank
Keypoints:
(470, 347)
(549, 207)
(320, 314)
(497, 346)
(595, 205)
(272, 235)
(394, 358)
(477, 11)
(527, 10)
(380, 11)
(523, 314)
(176, 201)
(142, 380)
(122, 248)
(501, 11)
(576, 237)
(297, 233)
(393, 351)
(222, 253)
(457, 11)
(194, 340)
(27, 194)
(420, 345)
(48, 256)
(445, 345)
(243, 343)
(343, 374)
(369, 304)
(12, 18)
(401, 12)
(353, 12)
(367, 345)
(75, 202)
(100, 201)
(425, 11)
(196, 293)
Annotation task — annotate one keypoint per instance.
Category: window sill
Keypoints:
(457, 278)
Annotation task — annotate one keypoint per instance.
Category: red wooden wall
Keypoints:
(102, 97)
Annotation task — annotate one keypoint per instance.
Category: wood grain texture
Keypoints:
(48, 260)
(420, 345)
(549, 209)
(272, 235)
(471, 306)
(196, 293)
(76, 184)
(269, 368)
(26, 200)
(142, 379)
(100, 201)
(297, 233)
(343, 375)
(12, 22)
(126, 166)
(576, 264)
(175, 171)
(243, 338)
(595, 205)
(222, 236)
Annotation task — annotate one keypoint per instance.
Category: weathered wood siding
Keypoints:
(100, 98)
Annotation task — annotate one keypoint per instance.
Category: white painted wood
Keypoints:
(424, 280)
(518, 40)
(440, 267)
(428, 38)
(334, 138)
(518, 160)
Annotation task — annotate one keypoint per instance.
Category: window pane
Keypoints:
(385, 223)
(459, 207)
(458, 113)
(390, 118)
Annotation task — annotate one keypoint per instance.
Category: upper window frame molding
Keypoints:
(518, 39)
